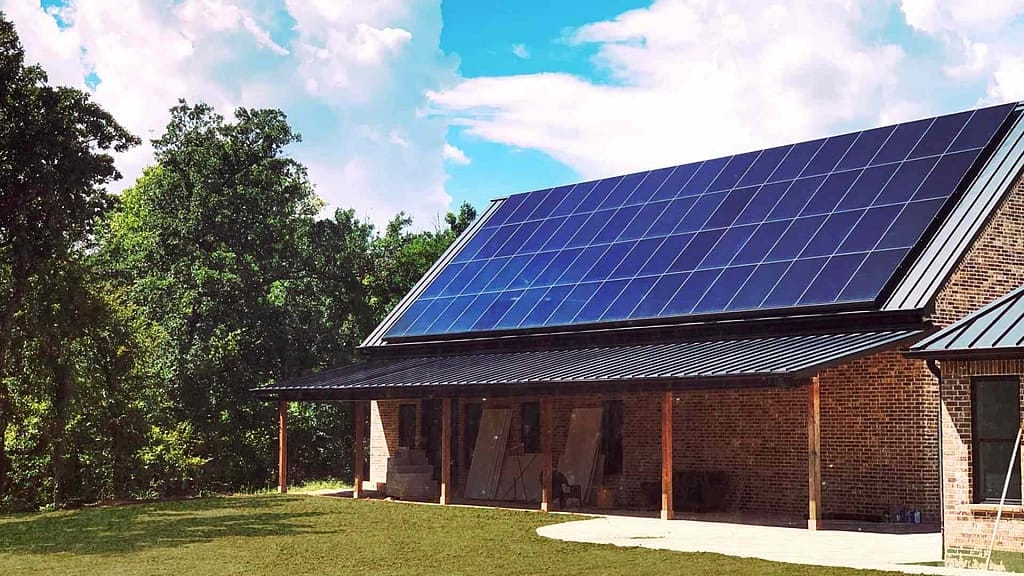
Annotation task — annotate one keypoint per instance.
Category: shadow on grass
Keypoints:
(135, 527)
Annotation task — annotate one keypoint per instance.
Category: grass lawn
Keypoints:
(295, 535)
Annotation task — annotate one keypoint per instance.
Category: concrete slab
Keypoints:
(866, 550)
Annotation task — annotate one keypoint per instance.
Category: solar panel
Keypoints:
(825, 222)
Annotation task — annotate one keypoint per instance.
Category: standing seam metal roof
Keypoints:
(799, 355)
(996, 328)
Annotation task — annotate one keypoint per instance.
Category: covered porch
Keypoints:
(665, 429)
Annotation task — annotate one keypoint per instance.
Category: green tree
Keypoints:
(400, 256)
(54, 163)
(220, 246)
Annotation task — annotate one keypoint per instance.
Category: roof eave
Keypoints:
(1005, 353)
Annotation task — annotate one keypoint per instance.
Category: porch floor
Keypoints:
(843, 544)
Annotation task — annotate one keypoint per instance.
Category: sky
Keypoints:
(419, 106)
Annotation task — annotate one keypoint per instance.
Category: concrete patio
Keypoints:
(847, 548)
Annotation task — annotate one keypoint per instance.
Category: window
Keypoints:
(996, 415)
(529, 427)
(611, 437)
(407, 426)
(472, 427)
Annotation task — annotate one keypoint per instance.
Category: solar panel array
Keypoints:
(824, 222)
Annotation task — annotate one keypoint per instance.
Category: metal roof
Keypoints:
(997, 330)
(668, 364)
(927, 274)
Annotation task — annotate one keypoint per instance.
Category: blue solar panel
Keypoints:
(825, 222)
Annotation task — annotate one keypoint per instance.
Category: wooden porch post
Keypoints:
(446, 451)
(358, 456)
(545, 448)
(667, 512)
(282, 446)
(814, 454)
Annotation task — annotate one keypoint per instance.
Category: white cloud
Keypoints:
(216, 16)
(58, 52)
(455, 155)
(348, 73)
(690, 80)
(520, 51)
(369, 64)
(982, 40)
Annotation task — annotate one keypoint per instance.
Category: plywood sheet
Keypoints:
(581, 448)
(520, 478)
(488, 454)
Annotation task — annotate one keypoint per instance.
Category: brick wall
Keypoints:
(968, 527)
(757, 435)
(879, 428)
(993, 266)
(383, 437)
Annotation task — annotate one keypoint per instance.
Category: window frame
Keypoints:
(406, 425)
(529, 432)
(470, 430)
(977, 474)
(611, 442)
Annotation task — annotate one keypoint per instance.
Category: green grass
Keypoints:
(297, 535)
(305, 487)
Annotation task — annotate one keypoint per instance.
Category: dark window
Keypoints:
(407, 426)
(529, 427)
(472, 425)
(611, 437)
(996, 416)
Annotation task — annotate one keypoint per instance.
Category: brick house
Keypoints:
(981, 362)
(737, 322)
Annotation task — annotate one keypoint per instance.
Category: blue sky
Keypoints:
(417, 106)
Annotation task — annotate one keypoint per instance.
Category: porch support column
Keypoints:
(358, 456)
(446, 451)
(546, 411)
(667, 513)
(282, 446)
(814, 454)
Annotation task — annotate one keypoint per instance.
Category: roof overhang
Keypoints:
(994, 332)
(741, 362)
(1008, 353)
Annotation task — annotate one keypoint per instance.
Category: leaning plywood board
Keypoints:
(520, 478)
(488, 453)
(531, 477)
(581, 447)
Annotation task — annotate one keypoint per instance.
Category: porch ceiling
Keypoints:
(745, 361)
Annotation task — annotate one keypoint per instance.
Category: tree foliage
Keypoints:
(54, 163)
(135, 326)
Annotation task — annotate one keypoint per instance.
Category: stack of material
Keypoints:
(520, 478)
(410, 476)
(581, 448)
(488, 454)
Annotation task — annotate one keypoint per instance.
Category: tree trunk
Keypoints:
(20, 281)
(64, 388)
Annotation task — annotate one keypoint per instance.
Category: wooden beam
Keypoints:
(814, 454)
(667, 512)
(358, 441)
(546, 415)
(282, 446)
(446, 451)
